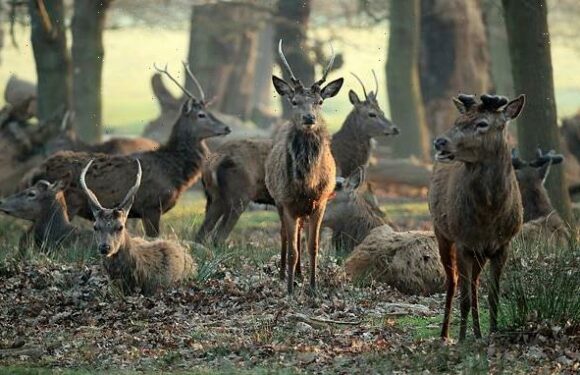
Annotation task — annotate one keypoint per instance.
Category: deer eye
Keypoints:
(201, 115)
(294, 102)
(320, 102)
(481, 125)
(119, 228)
(372, 114)
(95, 228)
(31, 194)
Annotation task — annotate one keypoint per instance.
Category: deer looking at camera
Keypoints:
(474, 202)
(167, 171)
(300, 170)
(134, 262)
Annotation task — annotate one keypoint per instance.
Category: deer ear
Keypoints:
(187, 106)
(459, 105)
(353, 97)
(332, 88)
(282, 87)
(355, 179)
(513, 109)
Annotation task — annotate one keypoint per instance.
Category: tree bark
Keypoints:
(403, 85)
(264, 65)
(48, 39)
(499, 53)
(292, 28)
(222, 54)
(529, 42)
(454, 57)
(88, 53)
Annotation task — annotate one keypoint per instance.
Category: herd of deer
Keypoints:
(475, 197)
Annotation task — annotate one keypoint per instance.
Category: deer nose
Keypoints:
(440, 143)
(227, 130)
(104, 248)
(396, 130)
(309, 119)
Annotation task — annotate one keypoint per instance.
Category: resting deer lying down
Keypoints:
(44, 205)
(475, 202)
(135, 262)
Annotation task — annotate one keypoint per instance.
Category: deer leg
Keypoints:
(293, 233)
(447, 254)
(213, 212)
(229, 221)
(150, 220)
(314, 224)
(478, 264)
(497, 263)
(299, 265)
(283, 243)
(465, 267)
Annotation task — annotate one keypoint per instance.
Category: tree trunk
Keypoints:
(529, 42)
(403, 80)
(454, 57)
(48, 39)
(499, 53)
(264, 64)
(1, 32)
(292, 27)
(88, 54)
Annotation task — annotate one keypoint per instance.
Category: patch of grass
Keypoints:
(541, 285)
(423, 327)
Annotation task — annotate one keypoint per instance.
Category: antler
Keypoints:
(131, 193)
(467, 100)
(164, 71)
(328, 67)
(548, 157)
(92, 197)
(64, 123)
(285, 63)
(493, 101)
(194, 79)
(516, 161)
(361, 83)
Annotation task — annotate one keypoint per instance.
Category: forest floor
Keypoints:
(58, 314)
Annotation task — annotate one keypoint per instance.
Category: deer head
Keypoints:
(195, 110)
(345, 198)
(479, 130)
(374, 121)
(109, 223)
(306, 101)
(29, 203)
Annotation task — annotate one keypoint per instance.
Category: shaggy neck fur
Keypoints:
(351, 146)
(183, 153)
(304, 150)
(53, 225)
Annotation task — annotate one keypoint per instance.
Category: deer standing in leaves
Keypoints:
(300, 170)
(475, 202)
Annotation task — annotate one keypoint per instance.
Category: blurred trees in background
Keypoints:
(454, 57)
(404, 88)
(87, 26)
(529, 44)
(48, 37)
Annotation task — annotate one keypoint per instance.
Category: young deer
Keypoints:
(474, 202)
(300, 170)
(67, 140)
(350, 214)
(351, 145)
(134, 262)
(43, 204)
(167, 171)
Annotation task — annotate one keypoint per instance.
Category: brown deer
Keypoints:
(167, 171)
(234, 174)
(44, 205)
(134, 262)
(474, 202)
(350, 214)
(300, 170)
(67, 140)
(352, 144)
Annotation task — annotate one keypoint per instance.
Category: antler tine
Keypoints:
(328, 67)
(361, 83)
(164, 71)
(131, 193)
(376, 83)
(92, 197)
(194, 79)
(65, 118)
(285, 62)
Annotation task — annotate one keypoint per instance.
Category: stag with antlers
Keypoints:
(300, 170)
(167, 171)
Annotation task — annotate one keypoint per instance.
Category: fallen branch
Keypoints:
(317, 321)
